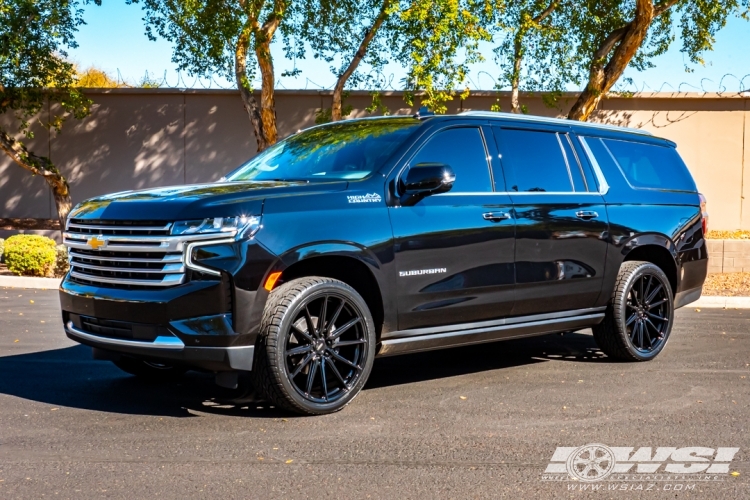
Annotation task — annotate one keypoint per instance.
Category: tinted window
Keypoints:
(463, 150)
(534, 161)
(348, 150)
(650, 166)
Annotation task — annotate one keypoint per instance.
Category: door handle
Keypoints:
(587, 215)
(496, 216)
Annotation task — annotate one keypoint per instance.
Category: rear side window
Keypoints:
(647, 166)
(463, 150)
(536, 161)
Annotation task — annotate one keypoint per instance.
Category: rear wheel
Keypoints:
(316, 346)
(640, 314)
(149, 370)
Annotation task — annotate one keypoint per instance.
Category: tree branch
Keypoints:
(546, 12)
(354, 63)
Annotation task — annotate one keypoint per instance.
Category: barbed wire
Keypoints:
(376, 80)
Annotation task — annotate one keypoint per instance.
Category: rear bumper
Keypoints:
(168, 347)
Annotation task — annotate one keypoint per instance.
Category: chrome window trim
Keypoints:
(162, 342)
(603, 184)
(567, 163)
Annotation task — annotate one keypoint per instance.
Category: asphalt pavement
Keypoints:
(474, 422)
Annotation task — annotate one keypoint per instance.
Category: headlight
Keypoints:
(244, 225)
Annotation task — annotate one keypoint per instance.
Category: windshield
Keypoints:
(346, 150)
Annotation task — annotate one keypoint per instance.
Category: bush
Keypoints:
(61, 265)
(2, 243)
(30, 255)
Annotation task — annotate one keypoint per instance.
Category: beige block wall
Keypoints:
(137, 138)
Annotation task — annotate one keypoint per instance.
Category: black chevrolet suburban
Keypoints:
(383, 236)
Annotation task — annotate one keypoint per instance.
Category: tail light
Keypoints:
(704, 214)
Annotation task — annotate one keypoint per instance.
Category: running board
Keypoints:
(500, 330)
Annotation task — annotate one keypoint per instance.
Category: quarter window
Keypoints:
(463, 150)
(650, 166)
(534, 161)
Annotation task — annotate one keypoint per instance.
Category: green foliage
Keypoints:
(34, 38)
(61, 261)
(438, 41)
(2, 246)
(30, 255)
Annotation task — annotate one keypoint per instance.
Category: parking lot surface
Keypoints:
(474, 422)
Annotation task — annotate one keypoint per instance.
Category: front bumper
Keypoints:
(169, 348)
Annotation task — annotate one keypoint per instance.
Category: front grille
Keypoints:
(124, 254)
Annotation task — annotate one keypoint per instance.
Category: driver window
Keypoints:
(463, 150)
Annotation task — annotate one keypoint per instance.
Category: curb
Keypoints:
(722, 302)
(29, 282)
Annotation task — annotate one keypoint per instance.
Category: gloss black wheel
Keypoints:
(316, 345)
(639, 317)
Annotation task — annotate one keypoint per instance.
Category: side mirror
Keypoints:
(425, 179)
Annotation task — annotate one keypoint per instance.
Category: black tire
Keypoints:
(148, 370)
(286, 353)
(638, 321)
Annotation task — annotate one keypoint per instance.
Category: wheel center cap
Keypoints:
(319, 345)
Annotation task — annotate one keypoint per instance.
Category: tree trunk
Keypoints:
(338, 90)
(42, 166)
(515, 106)
(625, 42)
(267, 101)
(243, 85)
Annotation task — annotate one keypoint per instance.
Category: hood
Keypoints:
(196, 201)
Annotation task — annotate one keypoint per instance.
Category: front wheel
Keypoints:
(640, 314)
(316, 346)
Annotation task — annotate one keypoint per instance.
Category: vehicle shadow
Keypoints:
(69, 377)
(445, 363)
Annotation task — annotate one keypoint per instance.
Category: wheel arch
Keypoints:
(657, 249)
(354, 265)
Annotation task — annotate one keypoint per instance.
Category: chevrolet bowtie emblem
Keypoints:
(96, 242)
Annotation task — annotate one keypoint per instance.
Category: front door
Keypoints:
(454, 251)
(561, 220)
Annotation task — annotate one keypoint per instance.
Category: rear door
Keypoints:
(561, 220)
(454, 251)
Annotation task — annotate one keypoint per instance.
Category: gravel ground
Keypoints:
(727, 285)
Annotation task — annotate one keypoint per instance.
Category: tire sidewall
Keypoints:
(621, 313)
(328, 287)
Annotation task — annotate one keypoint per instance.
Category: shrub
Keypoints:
(2, 242)
(30, 255)
(61, 265)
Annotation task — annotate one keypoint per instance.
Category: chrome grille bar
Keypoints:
(163, 260)
(167, 269)
(168, 280)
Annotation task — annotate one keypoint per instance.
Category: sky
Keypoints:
(114, 40)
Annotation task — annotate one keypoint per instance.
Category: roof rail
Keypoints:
(556, 121)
